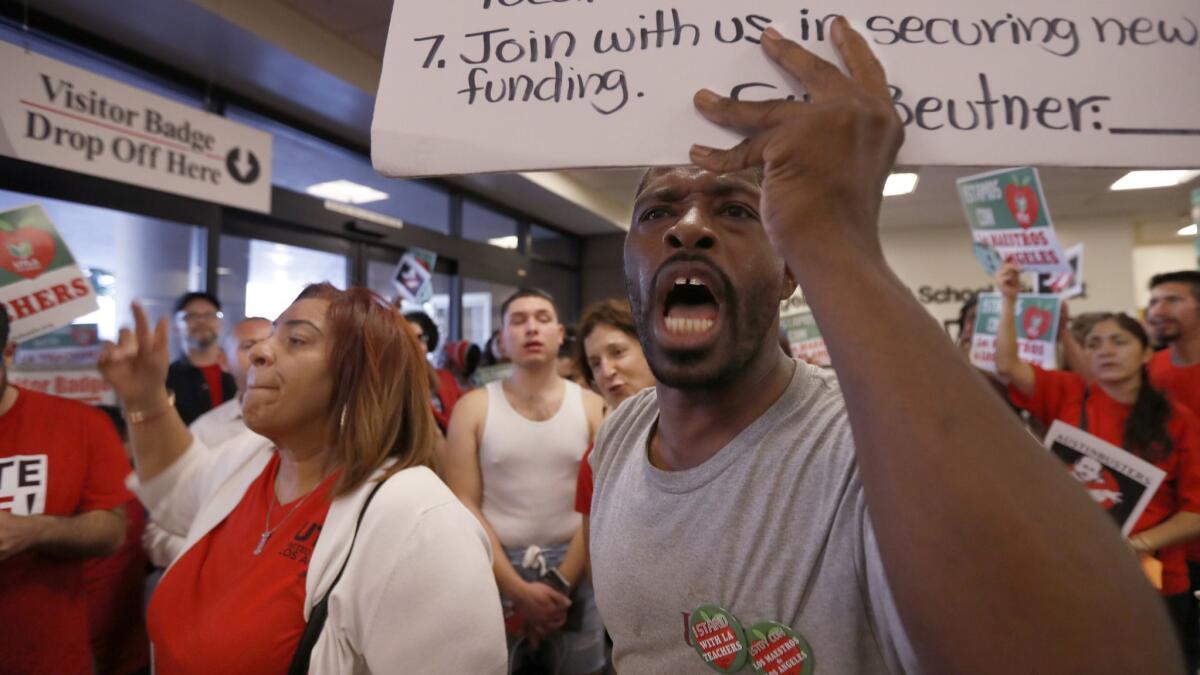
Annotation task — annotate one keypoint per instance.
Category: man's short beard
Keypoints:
(679, 370)
(200, 344)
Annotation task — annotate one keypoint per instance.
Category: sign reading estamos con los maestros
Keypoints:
(56, 114)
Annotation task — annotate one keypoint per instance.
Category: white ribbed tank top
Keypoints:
(529, 469)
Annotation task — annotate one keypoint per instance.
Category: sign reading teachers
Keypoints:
(41, 286)
(1037, 330)
(1010, 221)
(55, 114)
(502, 85)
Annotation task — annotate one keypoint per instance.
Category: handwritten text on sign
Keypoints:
(492, 85)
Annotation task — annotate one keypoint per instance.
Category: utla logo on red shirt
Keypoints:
(26, 251)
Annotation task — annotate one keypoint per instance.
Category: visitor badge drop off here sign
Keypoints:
(474, 86)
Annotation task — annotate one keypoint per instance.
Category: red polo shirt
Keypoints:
(222, 609)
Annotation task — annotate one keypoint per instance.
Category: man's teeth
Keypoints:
(684, 281)
(675, 325)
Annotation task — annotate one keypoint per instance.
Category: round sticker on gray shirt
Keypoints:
(719, 638)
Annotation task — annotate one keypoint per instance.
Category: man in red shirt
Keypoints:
(62, 470)
(1174, 320)
(196, 378)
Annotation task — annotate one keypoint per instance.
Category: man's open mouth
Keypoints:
(690, 306)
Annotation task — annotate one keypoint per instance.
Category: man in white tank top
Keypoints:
(513, 453)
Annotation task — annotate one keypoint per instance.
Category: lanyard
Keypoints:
(1083, 420)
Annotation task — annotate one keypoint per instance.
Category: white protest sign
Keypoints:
(1119, 481)
(86, 385)
(1010, 220)
(504, 85)
(62, 116)
(63, 363)
(413, 277)
(1065, 284)
(1037, 318)
(801, 331)
(41, 286)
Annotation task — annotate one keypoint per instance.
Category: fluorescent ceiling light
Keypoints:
(509, 242)
(346, 191)
(1143, 180)
(899, 184)
(1187, 231)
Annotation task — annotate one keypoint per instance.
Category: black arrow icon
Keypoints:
(242, 173)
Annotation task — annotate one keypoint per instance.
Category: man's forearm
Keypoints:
(980, 531)
(1180, 528)
(1007, 356)
(507, 578)
(93, 534)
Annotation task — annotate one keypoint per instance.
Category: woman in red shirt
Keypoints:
(1120, 407)
(278, 521)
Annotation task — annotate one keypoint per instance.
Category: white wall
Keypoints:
(1152, 259)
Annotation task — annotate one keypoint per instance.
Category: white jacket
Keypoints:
(417, 596)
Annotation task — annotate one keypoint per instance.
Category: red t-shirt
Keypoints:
(446, 397)
(59, 458)
(1182, 385)
(583, 485)
(116, 600)
(222, 609)
(1058, 395)
(212, 376)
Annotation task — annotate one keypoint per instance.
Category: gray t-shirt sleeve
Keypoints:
(889, 629)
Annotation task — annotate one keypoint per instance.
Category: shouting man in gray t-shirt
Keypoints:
(750, 515)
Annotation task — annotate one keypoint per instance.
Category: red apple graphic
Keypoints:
(1036, 322)
(26, 251)
(719, 638)
(1022, 203)
(777, 649)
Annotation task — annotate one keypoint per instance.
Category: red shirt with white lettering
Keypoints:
(223, 609)
(1059, 395)
(61, 458)
(1182, 385)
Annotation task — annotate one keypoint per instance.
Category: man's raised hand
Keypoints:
(825, 162)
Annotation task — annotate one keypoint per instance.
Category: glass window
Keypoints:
(261, 278)
(379, 279)
(128, 257)
(479, 223)
(481, 309)
(555, 246)
(561, 283)
(301, 161)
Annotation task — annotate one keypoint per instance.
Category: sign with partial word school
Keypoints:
(513, 85)
(62, 116)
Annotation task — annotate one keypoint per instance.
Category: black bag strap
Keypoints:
(320, 611)
(1083, 420)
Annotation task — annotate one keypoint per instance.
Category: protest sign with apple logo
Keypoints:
(1037, 316)
(1010, 220)
(41, 286)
